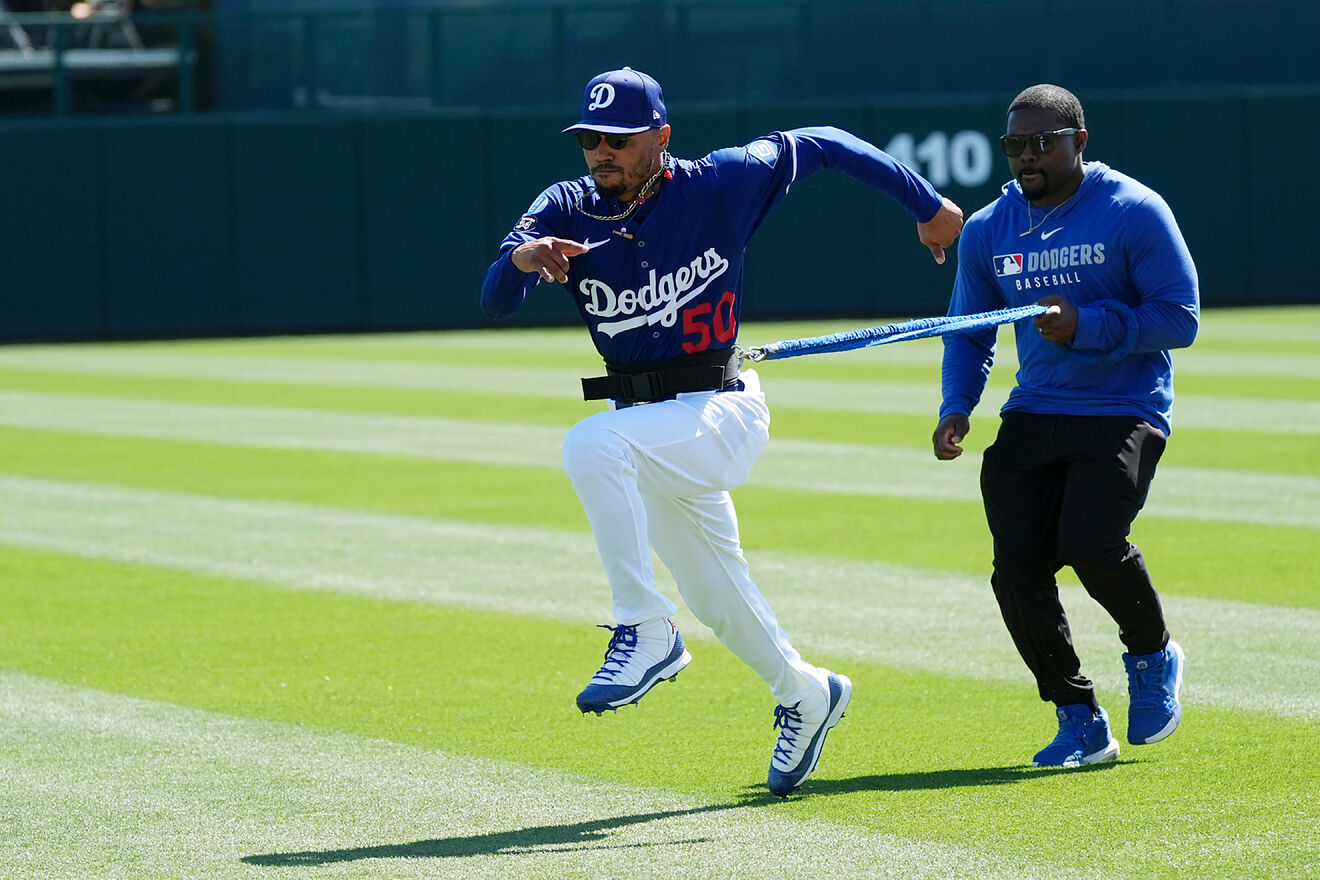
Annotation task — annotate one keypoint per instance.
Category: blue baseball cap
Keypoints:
(623, 101)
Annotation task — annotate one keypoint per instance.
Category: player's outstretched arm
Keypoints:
(948, 434)
(547, 257)
(940, 231)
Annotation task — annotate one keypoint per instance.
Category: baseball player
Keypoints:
(650, 249)
(1082, 432)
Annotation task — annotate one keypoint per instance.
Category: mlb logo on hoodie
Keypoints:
(1008, 264)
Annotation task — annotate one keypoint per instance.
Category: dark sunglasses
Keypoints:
(591, 139)
(1042, 142)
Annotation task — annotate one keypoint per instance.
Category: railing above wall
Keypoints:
(395, 55)
(97, 60)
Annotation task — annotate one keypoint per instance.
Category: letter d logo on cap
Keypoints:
(602, 95)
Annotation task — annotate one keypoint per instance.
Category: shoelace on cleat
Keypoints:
(785, 718)
(1147, 685)
(618, 652)
(1073, 735)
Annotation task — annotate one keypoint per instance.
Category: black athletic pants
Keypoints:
(1063, 490)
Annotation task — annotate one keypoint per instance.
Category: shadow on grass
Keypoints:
(593, 834)
(935, 779)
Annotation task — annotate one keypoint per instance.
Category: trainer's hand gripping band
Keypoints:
(915, 329)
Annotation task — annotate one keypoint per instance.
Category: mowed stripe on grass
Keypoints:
(132, 788)
(783, 386)
(1242, 655)
(1221, 495)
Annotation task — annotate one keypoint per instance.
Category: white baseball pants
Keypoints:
(658, 475)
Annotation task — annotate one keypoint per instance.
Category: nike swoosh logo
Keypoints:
(594, 244)
(1045, 235)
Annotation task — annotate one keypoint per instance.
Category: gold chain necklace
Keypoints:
(642, 195)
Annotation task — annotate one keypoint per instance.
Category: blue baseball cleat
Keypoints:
(637, 659)
(1083, 738)
(802, 731)
(1154, 683)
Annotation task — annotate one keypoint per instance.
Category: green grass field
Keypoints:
(319, 607)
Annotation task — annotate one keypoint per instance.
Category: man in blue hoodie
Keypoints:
(1084, 427)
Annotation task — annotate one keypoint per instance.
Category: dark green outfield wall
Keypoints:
(242, 224)
(352, 164)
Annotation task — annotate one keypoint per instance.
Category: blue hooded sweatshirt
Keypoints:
(1115, 251)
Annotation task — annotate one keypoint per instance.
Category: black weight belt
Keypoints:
(661, 380)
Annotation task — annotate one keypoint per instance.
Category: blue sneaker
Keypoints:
(637, 659)
(1083, 738)
(802, 730)
(1154, 683)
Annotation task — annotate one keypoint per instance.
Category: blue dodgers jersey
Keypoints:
(1113, 248)
(667, 280)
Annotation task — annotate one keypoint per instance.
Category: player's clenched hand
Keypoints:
(547, 257)
(948, 434)
(939, 231)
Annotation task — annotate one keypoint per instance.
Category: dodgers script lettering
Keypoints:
(659, 299)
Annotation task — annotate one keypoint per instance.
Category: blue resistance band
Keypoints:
(868, 336)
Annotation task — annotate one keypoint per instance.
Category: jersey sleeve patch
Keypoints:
(540, 204)
(765, 150)
(530, 217)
